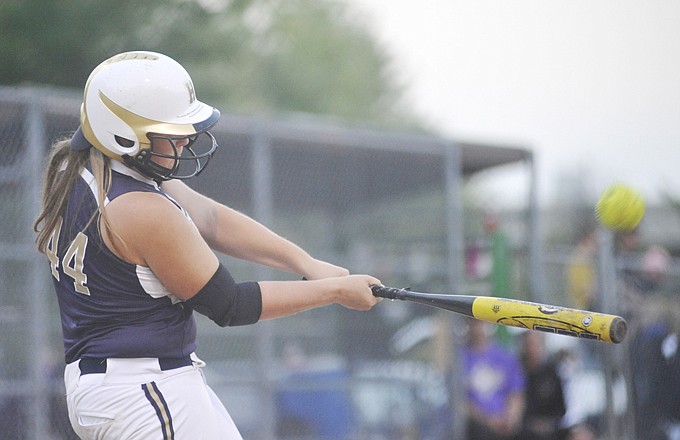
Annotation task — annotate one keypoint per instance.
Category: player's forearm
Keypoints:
(285, 298)
(237, 235)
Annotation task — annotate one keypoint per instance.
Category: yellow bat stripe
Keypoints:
(559, 320)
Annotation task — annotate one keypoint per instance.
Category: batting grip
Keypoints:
(386, 292)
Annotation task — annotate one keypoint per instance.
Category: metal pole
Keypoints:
(536, 273)
(261, 180)
(35, 150)
(607, 288)
(456, 249)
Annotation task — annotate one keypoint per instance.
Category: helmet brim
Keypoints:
(209, 117)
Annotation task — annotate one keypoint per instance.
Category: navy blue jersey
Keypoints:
(111, 308)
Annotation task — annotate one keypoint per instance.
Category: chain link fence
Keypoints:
(379, 203)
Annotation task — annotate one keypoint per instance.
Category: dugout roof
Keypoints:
(314, 162)
(319, 163)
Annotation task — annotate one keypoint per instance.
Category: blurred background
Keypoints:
(449, 147)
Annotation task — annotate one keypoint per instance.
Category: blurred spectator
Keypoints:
(544, 396)
(655, 265)
(655, 365)
(653, 320)
(580, 432)
(628, 266)
(640, 283)
(628, 242)
(657, 380)
(495, 386)
(580, 272)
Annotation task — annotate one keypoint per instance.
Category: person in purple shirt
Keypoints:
(495, 384)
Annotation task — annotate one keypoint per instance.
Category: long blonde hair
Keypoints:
(64, 166)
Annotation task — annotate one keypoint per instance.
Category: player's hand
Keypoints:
(355, 292)
(318, 270)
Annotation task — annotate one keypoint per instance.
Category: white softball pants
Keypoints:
(135, 400)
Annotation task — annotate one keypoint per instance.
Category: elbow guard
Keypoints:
(227, 302)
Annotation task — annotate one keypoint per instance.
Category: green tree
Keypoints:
(321, 61)
(254, 56)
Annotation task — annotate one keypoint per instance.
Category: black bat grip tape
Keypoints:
(386, 292)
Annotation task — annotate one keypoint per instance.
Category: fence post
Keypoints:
(261, 178)
(456, 250)
(35, 148)
(536, 259)
(607, 287)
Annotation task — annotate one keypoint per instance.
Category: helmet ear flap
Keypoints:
(104, 129)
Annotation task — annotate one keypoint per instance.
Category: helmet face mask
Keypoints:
(173, 161)
(135, 101)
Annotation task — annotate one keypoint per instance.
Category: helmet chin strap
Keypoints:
(142, 162)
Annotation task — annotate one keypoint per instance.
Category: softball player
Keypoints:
(131, 251)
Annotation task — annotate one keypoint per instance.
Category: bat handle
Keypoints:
(386, 292)
(382, 291)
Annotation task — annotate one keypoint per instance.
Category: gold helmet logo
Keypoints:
(192, 92)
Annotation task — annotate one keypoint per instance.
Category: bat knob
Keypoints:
(618, 330)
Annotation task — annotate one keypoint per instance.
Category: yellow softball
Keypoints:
(620, 208)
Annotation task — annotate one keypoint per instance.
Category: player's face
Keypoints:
(165, 147)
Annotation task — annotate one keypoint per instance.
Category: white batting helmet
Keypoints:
(135, 96)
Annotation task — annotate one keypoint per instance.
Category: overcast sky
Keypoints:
(591, 86)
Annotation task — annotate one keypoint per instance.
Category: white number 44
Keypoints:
(72, 263)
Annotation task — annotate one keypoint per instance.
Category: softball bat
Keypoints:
(582, 324)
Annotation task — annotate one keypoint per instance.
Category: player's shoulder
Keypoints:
(136, 195)
(139, 204)
(145, 211)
